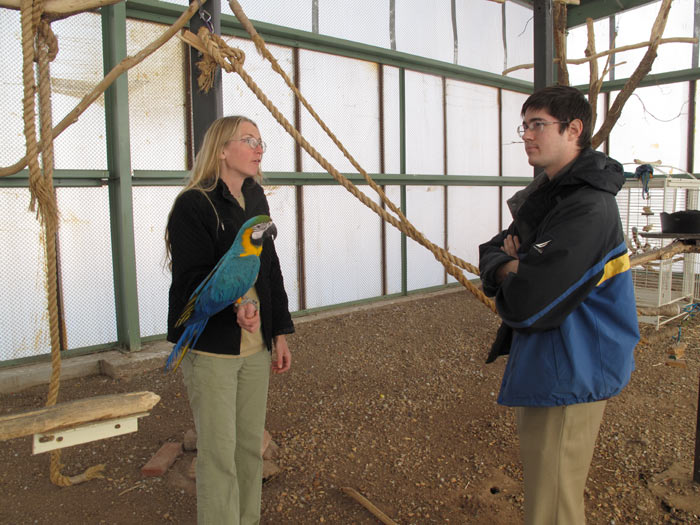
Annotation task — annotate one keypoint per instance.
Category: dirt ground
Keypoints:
(396, 402)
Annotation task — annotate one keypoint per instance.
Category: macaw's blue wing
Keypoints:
(233, 276)
(187, 340)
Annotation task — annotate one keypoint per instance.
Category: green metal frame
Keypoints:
(120, 181)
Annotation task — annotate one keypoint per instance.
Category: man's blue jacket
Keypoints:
(569, 313)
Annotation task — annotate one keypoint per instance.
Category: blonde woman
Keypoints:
(227, 374)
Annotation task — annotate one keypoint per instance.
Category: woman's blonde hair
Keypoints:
(206, 172)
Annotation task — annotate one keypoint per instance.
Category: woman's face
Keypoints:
(242, 154)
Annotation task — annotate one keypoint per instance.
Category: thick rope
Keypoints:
(126, 64)
(262, 49)
(37, 31)
(213, 44)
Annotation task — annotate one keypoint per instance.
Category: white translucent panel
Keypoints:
(11, 87)
(514, 159)
(653, 126)
(474, 21)
(240, 100)
(365, 21)
(296, 14)
(425, 207)
(600, 117)
(85, 255)
(75, 71)
(519, 40)
(472, 219)
(424, 125)
(156, 100)
(506, 217)
(576, 43)
(342, 247)
(393, 246)
(392, 128)
(283, 210)
(151, 209)
(696, 135)
(344, 93)
(472, 129)
(24, 321)
(424, 29)
(634, 27)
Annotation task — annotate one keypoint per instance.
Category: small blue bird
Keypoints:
(229, 280)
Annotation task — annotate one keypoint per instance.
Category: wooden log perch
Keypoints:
(72, 413)
(666, 310)
(368, 505)
(664, 253)
(63, 7)
(579, 61)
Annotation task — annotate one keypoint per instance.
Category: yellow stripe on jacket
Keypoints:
(614, 267)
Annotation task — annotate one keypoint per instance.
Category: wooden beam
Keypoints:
(63, 7)
(73, 413)
(664, 253)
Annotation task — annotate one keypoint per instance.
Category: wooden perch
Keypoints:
(578, 61)
(368, 505)
(73, 413)
(664, 253)
(63, 7)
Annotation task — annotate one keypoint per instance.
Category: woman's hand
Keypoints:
(248, 317)
(283, 359)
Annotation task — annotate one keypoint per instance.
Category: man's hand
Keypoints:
(511, 245)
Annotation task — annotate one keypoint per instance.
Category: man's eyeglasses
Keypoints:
(253, 143)
(537, 126)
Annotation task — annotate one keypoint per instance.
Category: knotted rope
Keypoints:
(40, 44)
(217, 52)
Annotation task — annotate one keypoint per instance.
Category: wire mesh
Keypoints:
(665, 282)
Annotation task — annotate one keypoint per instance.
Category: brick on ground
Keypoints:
(162, 460)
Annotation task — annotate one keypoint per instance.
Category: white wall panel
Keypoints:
(472, 129)
(283, 211)
(472, 215)
(514, 159)
(424, 124)
(341, 247)
(86, 266)
(240, 100)
(345, 95)
(425, 207)
(653, 126)
(24, 323)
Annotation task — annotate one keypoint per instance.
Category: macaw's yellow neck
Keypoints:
(248, 247)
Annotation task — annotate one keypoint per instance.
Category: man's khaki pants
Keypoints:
(228, 398)
(556, 448)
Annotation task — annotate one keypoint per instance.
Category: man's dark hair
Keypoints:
(565, 104)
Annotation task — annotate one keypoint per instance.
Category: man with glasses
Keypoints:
(561, 278)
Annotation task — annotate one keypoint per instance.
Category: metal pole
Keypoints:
(543, 43)
(206, 107)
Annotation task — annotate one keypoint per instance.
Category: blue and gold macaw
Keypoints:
(229, 280)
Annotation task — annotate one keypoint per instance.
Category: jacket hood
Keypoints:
(595, 169)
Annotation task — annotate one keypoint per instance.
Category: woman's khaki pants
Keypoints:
(228, 398)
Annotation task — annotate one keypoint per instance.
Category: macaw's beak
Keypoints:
(271, 231)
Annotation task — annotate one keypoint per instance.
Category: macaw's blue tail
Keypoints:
(187, 340)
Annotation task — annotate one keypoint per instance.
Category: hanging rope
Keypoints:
(218, 53)
(37, 32)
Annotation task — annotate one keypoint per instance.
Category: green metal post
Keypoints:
(402, 168)
(120, 186)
